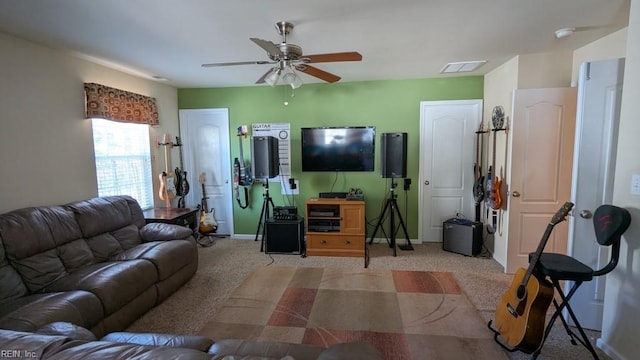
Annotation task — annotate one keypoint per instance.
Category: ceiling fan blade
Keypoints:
(270, 47)
(238, 63)
(320, 74)
(332, 57)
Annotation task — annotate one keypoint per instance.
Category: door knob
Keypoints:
(586, 214)
(515, 194)
(426, 182)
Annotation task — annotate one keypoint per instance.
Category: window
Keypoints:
(123, 160)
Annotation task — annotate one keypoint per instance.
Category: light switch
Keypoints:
(635, 184)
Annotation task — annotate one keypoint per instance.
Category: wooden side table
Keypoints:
(179, 216)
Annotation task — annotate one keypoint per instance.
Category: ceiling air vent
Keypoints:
(462, 66)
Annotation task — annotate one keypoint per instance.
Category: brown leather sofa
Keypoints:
(67, 342)
(93, 263)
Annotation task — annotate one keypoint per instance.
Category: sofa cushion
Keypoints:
(128, 236)
(31, 237)
(114, 283)
(77, 350)
(30, 312)
(106, 214)
(167, 256)
(18, 344)
(104, 246)
(40, 270)
(11, 285)
(75, 254)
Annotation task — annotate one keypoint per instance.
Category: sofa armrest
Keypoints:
(66, 329)
(195, 342)
(250, 349)
(163, 231)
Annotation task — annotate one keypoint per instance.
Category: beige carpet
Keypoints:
(404, 314)
(225, 265)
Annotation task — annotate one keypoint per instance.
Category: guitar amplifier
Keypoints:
(284, 237)
(462, 236)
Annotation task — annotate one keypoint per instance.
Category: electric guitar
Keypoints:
(496, 185)
(521, 313)
(208, 223)
(478, 185)
(241, 173)
(182, 184)
(167, 189)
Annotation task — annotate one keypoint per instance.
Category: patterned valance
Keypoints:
(113, 104)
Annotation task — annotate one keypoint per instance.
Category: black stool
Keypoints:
(609, 222)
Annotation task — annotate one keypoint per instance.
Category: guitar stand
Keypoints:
(498, 341)
(392, 206)
(264, 214)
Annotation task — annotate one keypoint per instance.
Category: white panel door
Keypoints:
(542, 130)
(205, 134)
(598, 114)
(447, 135)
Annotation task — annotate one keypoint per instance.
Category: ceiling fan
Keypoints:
(287, 57)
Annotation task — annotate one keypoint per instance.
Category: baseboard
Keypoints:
(246, 237)
(375, 240)
(398, 241)
(611, 352)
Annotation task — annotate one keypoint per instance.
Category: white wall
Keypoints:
(612, 46)
(503, 77)
(46, 145)
(621, 325)
(544, 70)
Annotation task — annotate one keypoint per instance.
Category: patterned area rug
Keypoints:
(404, 314)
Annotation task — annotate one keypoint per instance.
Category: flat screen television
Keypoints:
(338, 148)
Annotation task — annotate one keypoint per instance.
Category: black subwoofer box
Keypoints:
(284, 236)
(462, 236)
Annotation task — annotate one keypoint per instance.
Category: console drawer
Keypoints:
(335, 245)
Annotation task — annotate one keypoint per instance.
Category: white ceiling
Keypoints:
(398, 39)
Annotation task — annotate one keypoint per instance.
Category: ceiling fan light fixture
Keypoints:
(273, 77)
(291, 78)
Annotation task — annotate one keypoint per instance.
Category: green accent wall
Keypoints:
(390, 106)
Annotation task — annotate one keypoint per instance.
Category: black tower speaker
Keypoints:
(393, 147)
(285, 236)
(265, 158)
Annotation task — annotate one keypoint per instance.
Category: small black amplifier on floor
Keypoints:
(462, 236)
(284, 236)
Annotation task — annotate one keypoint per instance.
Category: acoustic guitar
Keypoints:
(521, 313)
(208, 223)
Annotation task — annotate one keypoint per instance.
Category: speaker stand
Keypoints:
(267, 207)
(392, 206)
